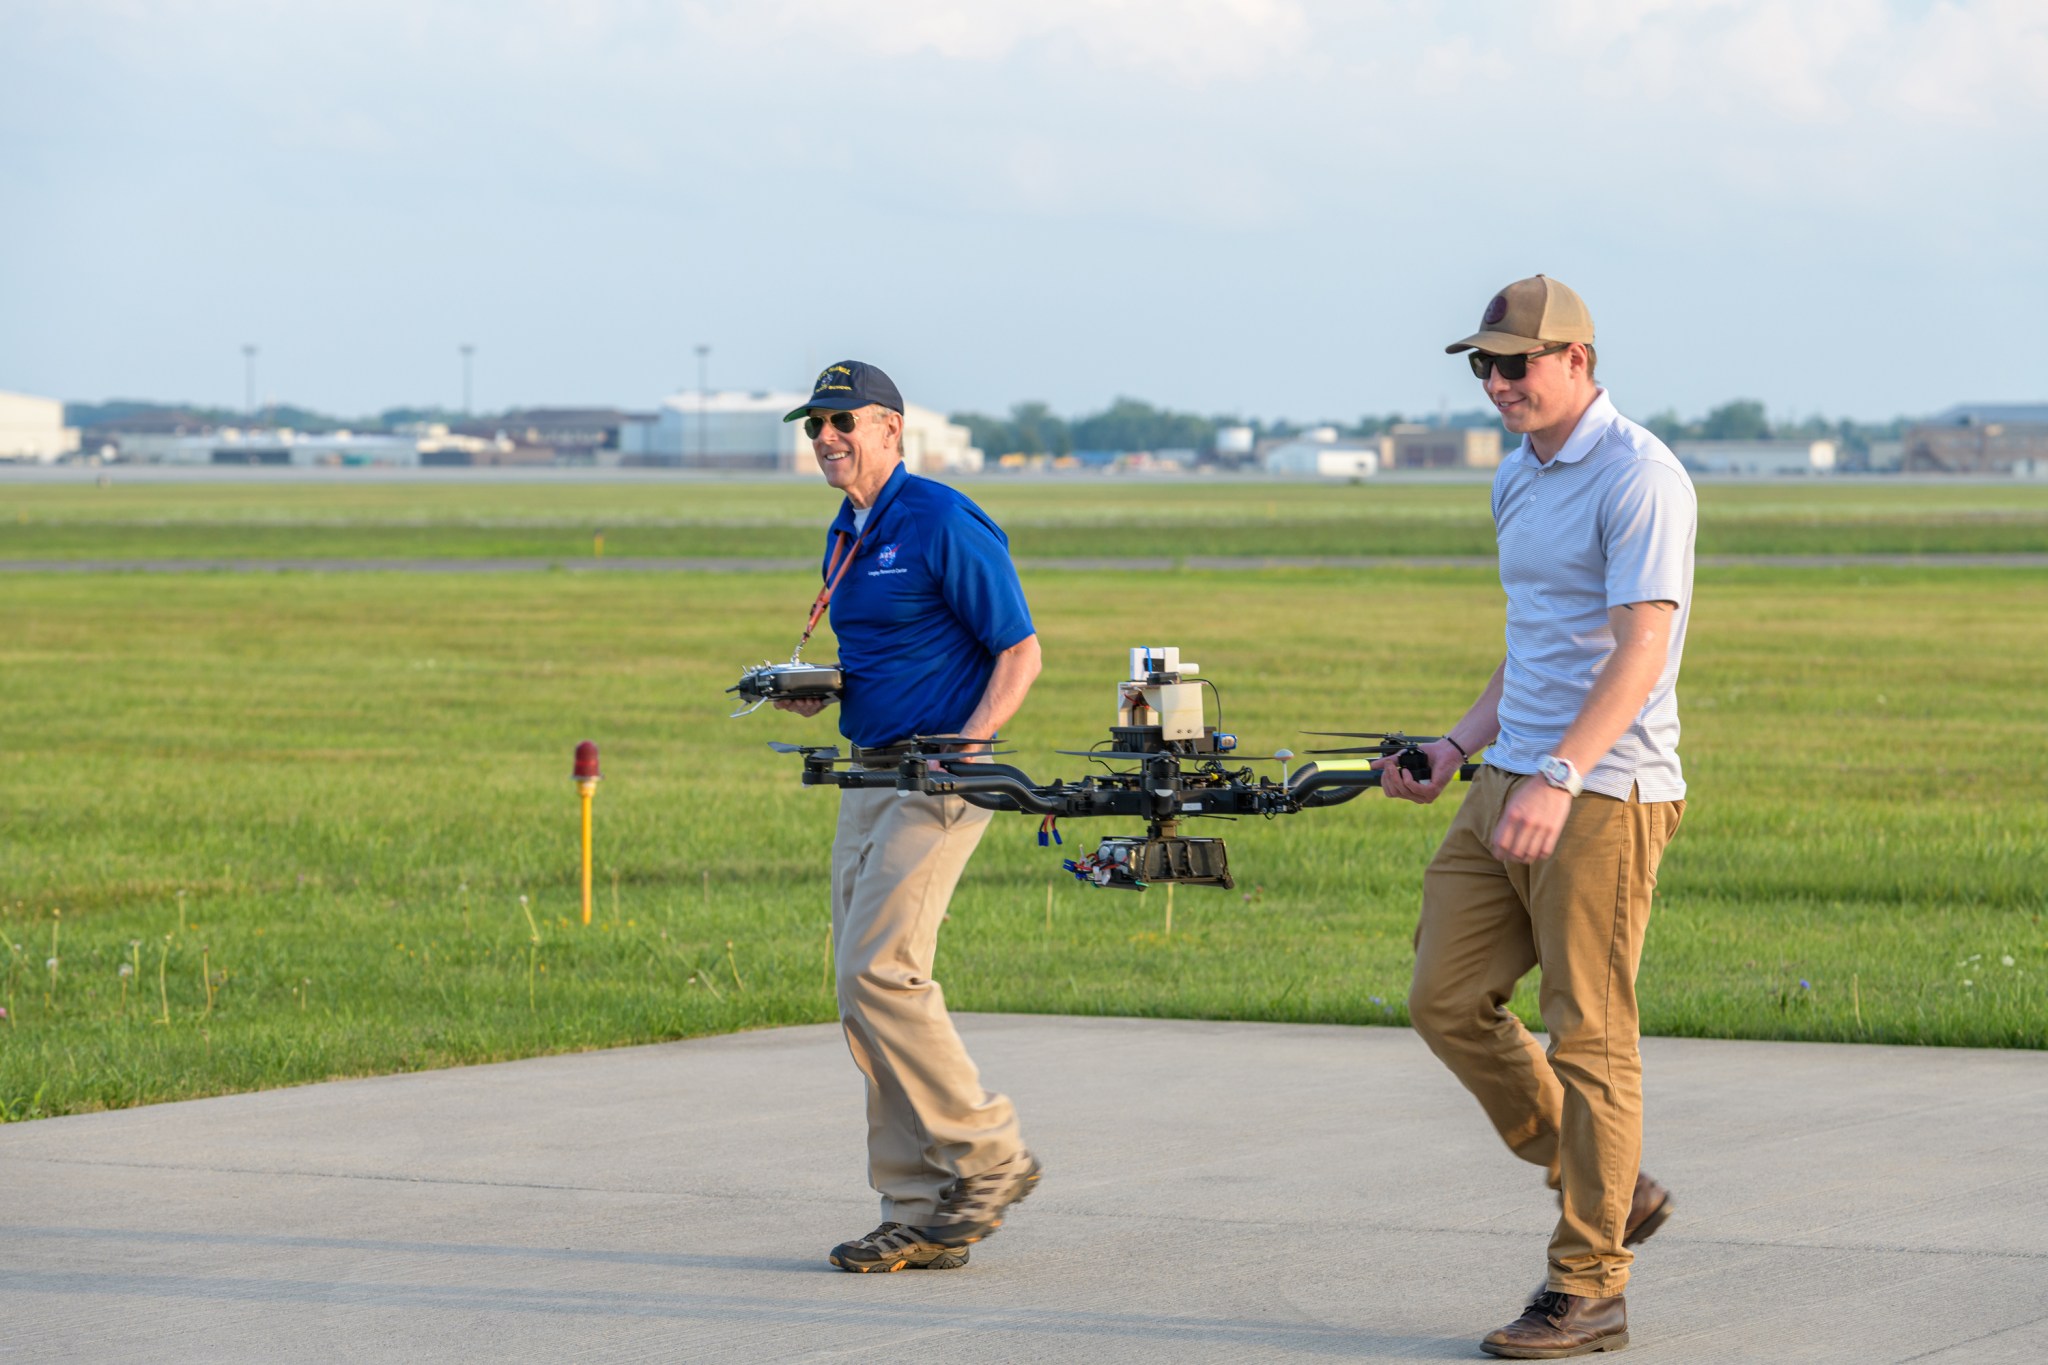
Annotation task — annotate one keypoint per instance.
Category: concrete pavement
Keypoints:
(1215, 1192)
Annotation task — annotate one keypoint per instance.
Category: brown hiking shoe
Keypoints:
(1558, 1325)
(1649, 1209)
(973, 1206)
(896, 1246)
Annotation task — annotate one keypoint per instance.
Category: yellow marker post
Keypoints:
(587, 777)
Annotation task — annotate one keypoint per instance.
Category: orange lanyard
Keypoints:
(834, 571)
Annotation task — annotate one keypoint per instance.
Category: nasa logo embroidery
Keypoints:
(887, 558)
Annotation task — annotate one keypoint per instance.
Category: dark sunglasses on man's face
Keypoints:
(1513, 368)
(841, 422)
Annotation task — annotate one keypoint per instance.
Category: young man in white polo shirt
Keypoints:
(1552, 859)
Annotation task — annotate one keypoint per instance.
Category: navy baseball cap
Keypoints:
(848, 385)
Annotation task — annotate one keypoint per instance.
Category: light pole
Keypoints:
(249, 380)
(467, 352)
(703, 354)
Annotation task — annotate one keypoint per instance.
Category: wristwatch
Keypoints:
(1560, 773)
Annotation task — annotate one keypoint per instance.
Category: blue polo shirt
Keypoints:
(927, 604)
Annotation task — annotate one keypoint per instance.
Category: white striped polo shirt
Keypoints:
(1608, 521)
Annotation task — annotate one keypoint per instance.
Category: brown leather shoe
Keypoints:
(1557, 1325)
(1649, 1209)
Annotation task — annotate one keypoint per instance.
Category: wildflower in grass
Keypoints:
(1804, 984)
(2005, 961)
(126, 970)
(1967, 983)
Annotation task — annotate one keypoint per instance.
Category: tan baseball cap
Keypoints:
(1527, 316)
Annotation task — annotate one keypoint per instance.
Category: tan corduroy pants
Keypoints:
(1575, 1108)
(895, 862)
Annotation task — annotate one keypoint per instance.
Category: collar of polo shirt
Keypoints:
(1593, 424)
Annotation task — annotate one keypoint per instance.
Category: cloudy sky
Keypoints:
(1272, 207)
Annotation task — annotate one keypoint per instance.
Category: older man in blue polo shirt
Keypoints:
(1553, 856)
(934, 639)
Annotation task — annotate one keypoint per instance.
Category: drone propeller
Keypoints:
(807, 750)
(1390, 741)
(1124, 754)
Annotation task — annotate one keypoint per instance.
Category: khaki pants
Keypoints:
(1575, 1108)
(895, 862)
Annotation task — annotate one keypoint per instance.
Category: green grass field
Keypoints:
(1045, 518)
(302, 810)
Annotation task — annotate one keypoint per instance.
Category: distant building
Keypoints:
(440, 446)
(1413, 446)
(33, 429)
(1757, 457)
(1980, 438)
(1234, 444)
(545, 436)
(745, 431)
(430, 445)
(1320, 453)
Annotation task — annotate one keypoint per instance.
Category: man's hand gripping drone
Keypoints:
(1164, 764)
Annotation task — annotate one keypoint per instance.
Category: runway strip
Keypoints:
(1155, 564)
(1214, 1192)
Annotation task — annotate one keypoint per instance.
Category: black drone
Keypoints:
(1163, 763)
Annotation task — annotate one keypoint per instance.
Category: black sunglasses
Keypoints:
(1512, 367)
(841, 422)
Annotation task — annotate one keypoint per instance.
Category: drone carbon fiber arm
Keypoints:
(1160, 789)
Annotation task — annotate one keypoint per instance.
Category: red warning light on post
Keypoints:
(586, 762)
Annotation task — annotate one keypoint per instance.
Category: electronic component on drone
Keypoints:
(1156, 696)
(1131, 863)
(1164, 763)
